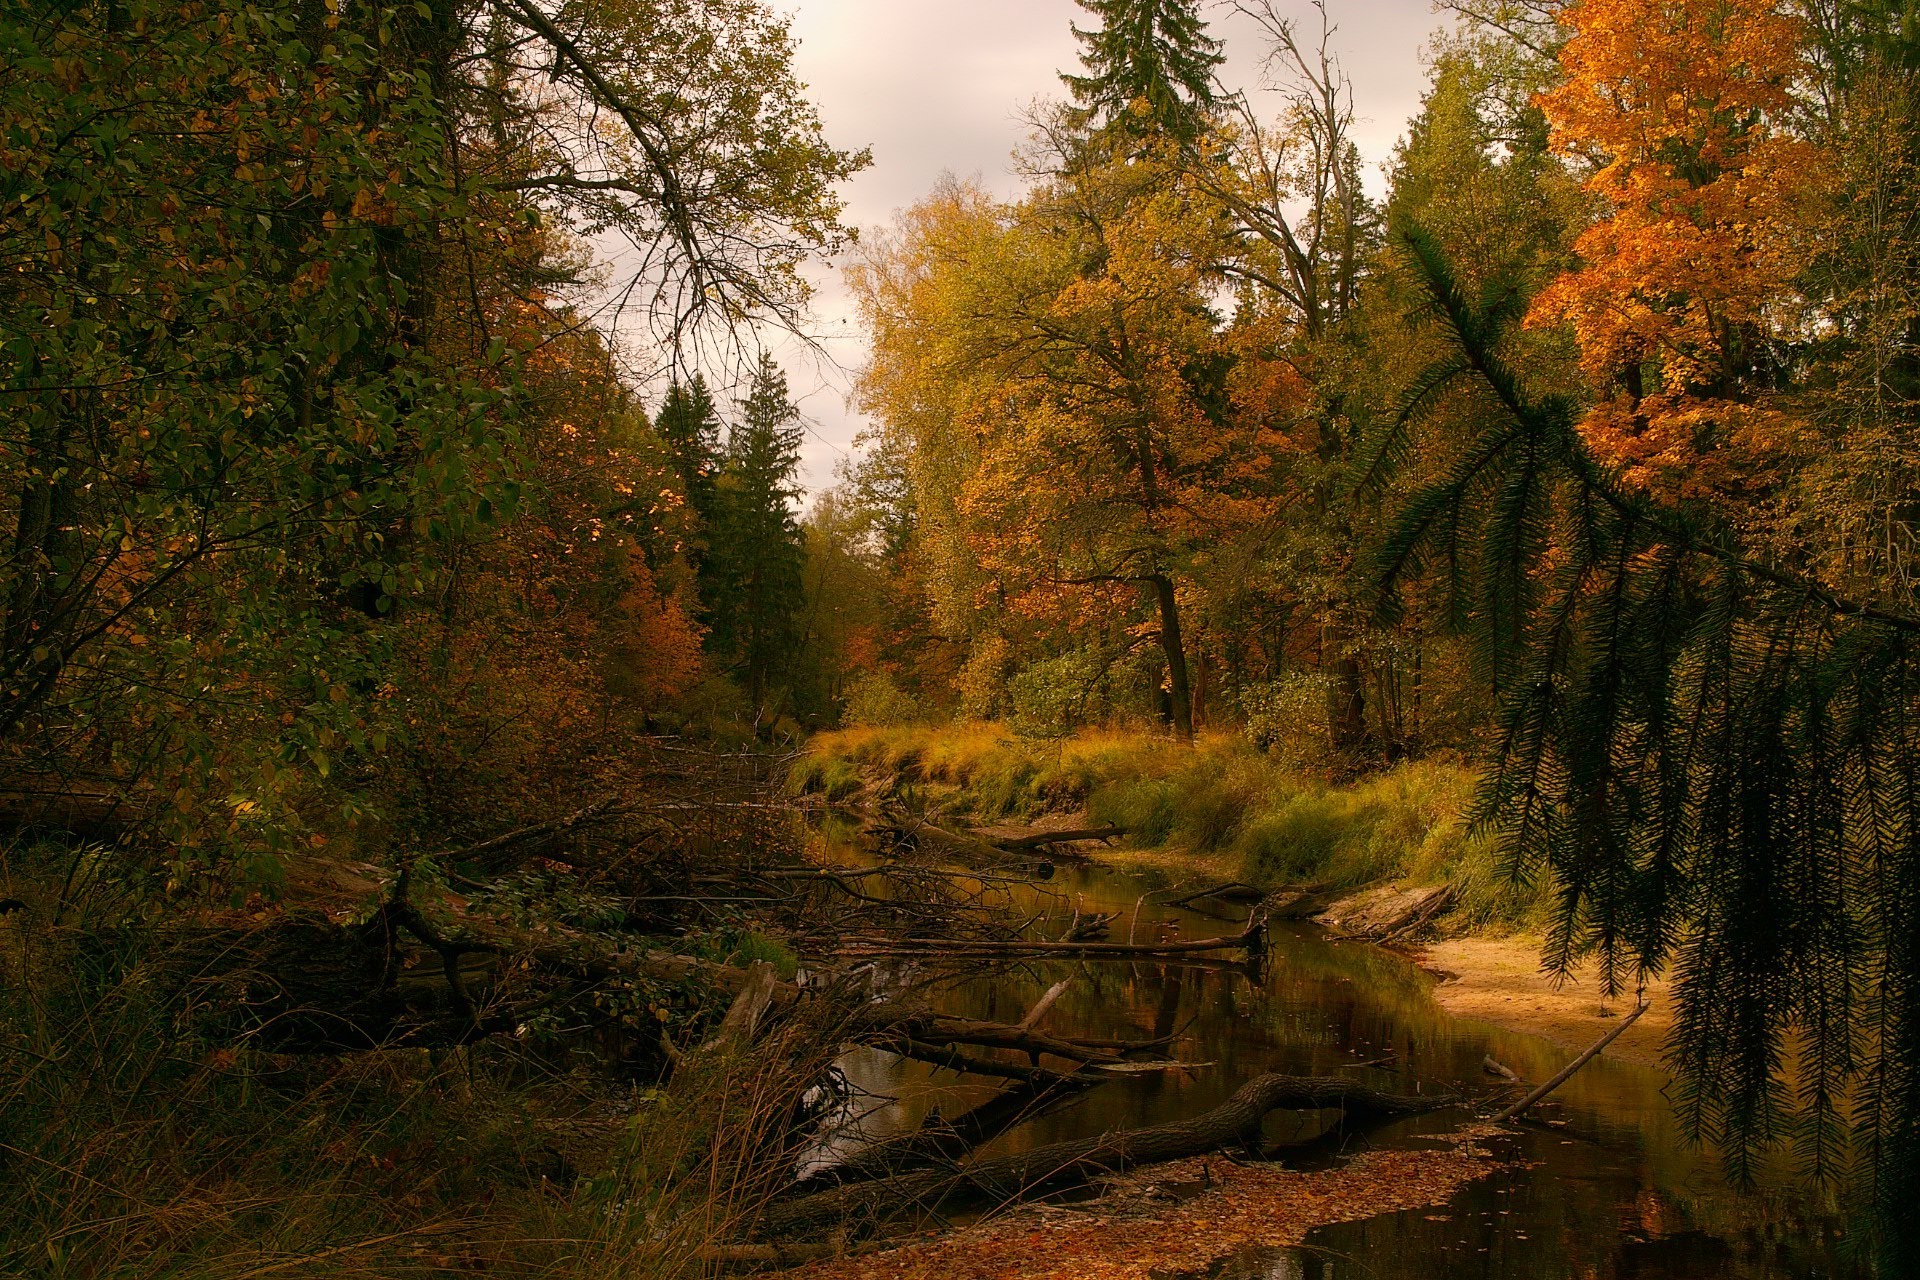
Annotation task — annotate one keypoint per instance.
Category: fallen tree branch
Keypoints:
(1252, 939)
(486, 851)
(1566, 1072)
(1041, 839)
(1231, 889)
(1044, 1003)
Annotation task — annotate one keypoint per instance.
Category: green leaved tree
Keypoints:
(690, 426)
(755, 582)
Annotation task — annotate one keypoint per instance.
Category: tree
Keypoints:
(1149, 70)
(264, 369)
(690, 426)
(1301, 234)
(757, 547)
(1678, 108)
(1711, 757)
(1069, 336)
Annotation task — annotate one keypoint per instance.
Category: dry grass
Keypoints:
(140, 1139)
(1218, 807)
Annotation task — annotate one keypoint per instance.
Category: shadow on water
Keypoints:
(1605, 1184)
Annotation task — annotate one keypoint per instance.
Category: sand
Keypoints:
(1498, 980)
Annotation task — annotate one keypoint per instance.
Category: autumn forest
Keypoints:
(1344, 712)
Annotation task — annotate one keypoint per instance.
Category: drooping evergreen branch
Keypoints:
(1712, 759)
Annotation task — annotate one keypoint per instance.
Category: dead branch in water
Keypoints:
(1041, 839)
(1566, 1072)
(1253, 939)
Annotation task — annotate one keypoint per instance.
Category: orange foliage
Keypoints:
(659, 644)
(1676, 103)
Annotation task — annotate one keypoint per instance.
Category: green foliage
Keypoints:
(1709, 754)
(1246, 812)
(1154, 53)
(690, 426)
(756, 590)
(874, 699)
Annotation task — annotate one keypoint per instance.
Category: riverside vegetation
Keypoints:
(429, 712)
(1221, 807)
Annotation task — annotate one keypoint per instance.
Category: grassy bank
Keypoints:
(143, 1134)
(1220, 805)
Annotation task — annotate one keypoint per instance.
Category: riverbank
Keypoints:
(1498, 980)
(1217, 807)
(1220, 811)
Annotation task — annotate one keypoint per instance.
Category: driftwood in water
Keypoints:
(1253, 939)
(1494, 1067)
(1233, 890)
(1002, 1179)
(923, 836)
(1041, 839)
(1566, 1072)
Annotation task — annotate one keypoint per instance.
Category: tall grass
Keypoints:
(140, 1139)
(1221, 798)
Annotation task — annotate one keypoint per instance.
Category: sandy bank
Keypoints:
(1498, 980)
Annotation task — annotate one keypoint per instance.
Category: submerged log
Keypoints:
(1002, 1179)
(1252, 939)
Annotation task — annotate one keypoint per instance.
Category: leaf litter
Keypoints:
(1176, 1218)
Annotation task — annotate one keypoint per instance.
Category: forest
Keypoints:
(1343, 714)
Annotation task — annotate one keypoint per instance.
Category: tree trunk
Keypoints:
(1179, 689)
(1346, 692)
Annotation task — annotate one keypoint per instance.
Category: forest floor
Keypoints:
(1498, 980)
(1180, 1219)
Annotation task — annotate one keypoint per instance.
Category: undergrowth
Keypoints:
(140, 1138)
(1221, 798)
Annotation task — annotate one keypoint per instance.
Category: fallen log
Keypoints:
(1384, 913)
(939, 1142)
(925, 837)
(1002, 1179)
(1233, 890)
(1041, 839)
(874, 1023)
(303, 984)
(1253, 939)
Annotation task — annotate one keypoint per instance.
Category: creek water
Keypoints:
(1605, 1183)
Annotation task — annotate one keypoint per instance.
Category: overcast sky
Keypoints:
(936, 86)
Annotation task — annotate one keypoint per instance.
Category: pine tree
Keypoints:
(1151, 51)
(757, 550)
(1711, 755)
(690, 426)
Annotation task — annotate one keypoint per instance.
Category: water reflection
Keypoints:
(1611, 1188)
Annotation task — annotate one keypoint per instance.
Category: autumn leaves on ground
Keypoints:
(423, 679)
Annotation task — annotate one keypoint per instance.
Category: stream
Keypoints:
(1609, 1188)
